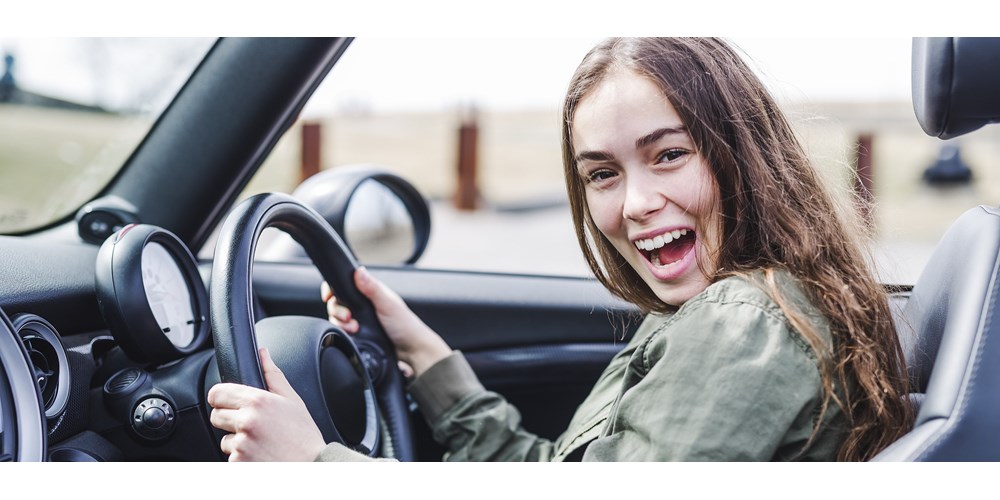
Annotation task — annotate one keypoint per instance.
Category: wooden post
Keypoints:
(863, 179)
(466, 192)
(312, 149)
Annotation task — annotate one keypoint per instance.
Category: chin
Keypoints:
(677, 295)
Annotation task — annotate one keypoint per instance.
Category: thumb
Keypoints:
(273, 376)
(371, 287)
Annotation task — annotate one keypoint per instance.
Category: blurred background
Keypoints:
(474, 124)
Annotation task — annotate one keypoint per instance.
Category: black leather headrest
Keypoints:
(956, 84)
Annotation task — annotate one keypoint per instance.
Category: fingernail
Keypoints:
(363, 274)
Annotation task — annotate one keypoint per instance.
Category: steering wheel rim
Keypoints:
(23, 433)
(232, 312)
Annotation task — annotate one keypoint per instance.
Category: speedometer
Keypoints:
(168, 294)
(151, 294)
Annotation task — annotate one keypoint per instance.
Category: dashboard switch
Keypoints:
(153, 418)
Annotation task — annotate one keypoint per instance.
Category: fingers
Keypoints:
(405, 369)
(366, 283)
(231, 396)
(231, 445)
(227, 443)
(382, 297)
(224, 419)
(338, 314)
(275, 379)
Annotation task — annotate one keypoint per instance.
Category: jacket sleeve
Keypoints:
(720, 381)
(473, 423)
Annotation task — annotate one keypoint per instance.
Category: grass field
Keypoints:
(52, 161)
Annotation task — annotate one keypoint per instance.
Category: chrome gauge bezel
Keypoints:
(122, 296)
(55, 393)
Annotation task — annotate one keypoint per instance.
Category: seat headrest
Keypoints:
(955, 84)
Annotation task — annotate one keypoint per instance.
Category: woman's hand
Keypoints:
(272, 425)
(416, 344)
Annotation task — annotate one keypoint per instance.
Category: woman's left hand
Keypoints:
(272, 425)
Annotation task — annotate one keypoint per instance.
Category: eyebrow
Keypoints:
(640, 143)
(657, 134)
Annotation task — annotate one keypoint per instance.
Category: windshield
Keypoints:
(72, 110)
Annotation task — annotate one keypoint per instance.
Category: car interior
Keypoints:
(947, 324)
(112, 331)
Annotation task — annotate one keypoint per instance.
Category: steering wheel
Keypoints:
(314, 354)
(22, 415)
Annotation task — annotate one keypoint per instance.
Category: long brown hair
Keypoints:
(776, 214)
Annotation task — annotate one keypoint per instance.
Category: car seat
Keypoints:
(950, 326)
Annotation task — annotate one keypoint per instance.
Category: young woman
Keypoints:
(766, 337)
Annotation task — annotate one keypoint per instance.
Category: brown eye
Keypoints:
(671, 155)
(600, 175)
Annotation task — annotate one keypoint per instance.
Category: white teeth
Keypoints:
(660, 240)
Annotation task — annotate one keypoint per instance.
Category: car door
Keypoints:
(541, 341)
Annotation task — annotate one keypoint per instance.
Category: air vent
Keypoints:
(123, 381)
(48, 357)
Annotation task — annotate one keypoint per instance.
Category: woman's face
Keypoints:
(650, 193)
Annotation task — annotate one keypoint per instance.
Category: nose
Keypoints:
(642, 198)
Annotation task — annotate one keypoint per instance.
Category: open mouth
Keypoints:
(667, 248)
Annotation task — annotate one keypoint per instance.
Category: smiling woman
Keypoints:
(765, 337)
(646, 184)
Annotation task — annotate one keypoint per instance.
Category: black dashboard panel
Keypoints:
(52, 280)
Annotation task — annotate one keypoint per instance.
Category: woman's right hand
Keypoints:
(416, 344)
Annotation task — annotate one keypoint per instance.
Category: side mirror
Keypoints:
(381, 216)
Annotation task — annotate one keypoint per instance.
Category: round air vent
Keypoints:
(48, 357)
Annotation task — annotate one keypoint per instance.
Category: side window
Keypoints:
(403, 105)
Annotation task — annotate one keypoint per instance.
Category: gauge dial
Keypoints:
(168, 294)
(151, 294)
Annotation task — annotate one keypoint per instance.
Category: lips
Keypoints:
(668, 252)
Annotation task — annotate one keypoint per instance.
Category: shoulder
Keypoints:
(738, 315)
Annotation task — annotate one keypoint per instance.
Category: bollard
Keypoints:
(466, 191)
(863, 177)
(311, 157)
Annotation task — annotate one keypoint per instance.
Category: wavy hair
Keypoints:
(776, 213)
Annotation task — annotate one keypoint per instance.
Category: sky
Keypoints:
(418, 74)
(443, 53)
(533, 73)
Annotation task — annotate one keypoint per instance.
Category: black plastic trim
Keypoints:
(122, 298)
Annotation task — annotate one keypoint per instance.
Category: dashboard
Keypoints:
(117, 342)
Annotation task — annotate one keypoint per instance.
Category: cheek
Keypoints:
(607, 213)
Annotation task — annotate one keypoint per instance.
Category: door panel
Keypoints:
(540, 341)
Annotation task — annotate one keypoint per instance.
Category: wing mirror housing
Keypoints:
(380, 215)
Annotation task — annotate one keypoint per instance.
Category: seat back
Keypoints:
(950, 327)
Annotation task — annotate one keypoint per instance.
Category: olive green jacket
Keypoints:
(726, 377)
